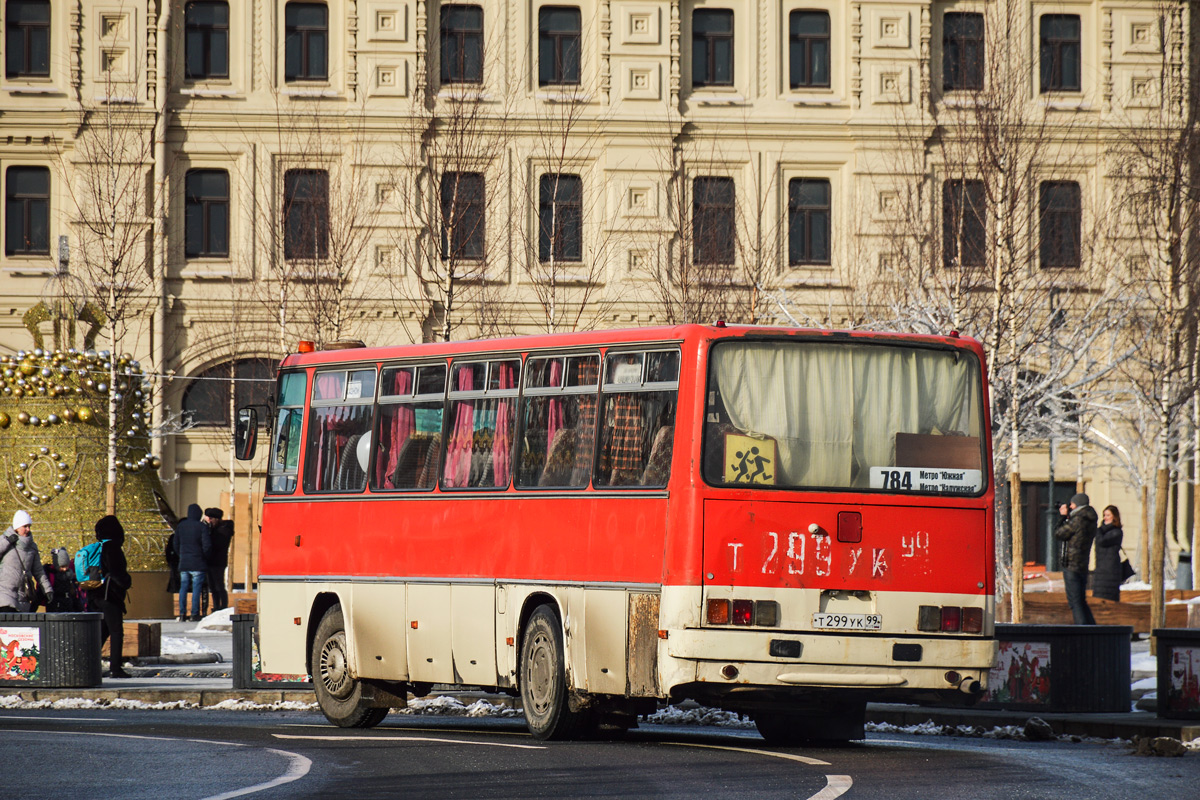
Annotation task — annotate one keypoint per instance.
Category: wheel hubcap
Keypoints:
(335, 676)
(541, 674)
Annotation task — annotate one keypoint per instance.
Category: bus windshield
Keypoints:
(858, 416)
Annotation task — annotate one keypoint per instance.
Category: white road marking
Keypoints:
(816, 762)
(835, 785)
(405, 739)
(297, 769)
(298, 765)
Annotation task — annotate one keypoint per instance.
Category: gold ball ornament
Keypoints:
(4, 420)
(85, 414)
(23, 417)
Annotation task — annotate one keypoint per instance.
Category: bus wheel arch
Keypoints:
(320, 606)
(344, 699)
(543, 679)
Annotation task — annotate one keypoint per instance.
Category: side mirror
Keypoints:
(245, 434)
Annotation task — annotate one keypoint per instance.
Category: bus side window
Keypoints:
(479, 438)
(637, 427)
(338, 442)
(410, 428)
(558, 421)
(285, 441)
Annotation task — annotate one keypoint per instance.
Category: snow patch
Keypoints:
(246, 705)
(453, 707)
(217, 621)
(699, 716)
(176, 646)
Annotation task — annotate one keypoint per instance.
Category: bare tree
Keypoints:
(1156, 159)
(112, 201)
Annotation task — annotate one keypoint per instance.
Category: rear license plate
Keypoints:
(849, 622)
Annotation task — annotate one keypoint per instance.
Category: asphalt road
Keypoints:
(183, 754)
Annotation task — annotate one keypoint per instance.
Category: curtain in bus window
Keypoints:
(588, 373)
(462, 431)
(502, 446)
(834, 410)
(554, 417)
(632, 438)
(396, 430)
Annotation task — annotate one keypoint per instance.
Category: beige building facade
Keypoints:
(400, 170)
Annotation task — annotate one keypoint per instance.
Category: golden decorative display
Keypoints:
(54, 407)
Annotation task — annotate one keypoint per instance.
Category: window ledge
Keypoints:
(43, 90)
(565, 96)
(194, 92)
(116, 100)
(710, 98)
(38, 267)
(816, 100)
(313, 91)
(1066, 104)
(456, 92)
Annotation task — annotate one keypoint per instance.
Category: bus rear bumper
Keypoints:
(895, 665)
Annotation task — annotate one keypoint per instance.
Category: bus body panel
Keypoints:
(760, 541)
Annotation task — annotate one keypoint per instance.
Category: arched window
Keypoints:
(206, 399)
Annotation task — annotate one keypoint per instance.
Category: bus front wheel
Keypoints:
(339, 694)
(544, 692)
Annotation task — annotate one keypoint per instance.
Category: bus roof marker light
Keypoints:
(719, 323)
(305, 346)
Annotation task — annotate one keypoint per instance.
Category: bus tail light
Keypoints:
(951, 619)
(766, 613)
(972, 620)
(929, 618)
(762, 613)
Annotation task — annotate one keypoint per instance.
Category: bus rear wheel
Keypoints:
(544, 693)
(339, 694)
(836, 724)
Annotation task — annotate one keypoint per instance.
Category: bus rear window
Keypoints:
(844, 416)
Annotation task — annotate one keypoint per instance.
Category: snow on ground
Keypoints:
(176, 646)
(217, 621)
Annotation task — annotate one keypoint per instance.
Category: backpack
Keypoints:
(87, 566)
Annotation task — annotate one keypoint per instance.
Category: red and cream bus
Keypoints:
(784, 523)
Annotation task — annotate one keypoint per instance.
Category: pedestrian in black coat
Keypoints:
(222, 535)
(193, 543)
(109, 597)
(1106, 577)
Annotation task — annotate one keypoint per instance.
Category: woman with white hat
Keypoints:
(21, 567)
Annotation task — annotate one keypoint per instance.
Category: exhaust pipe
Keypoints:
(970, 686)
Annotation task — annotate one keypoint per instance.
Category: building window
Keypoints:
(206, 40)
(306, 214)
(962, 52)
(27, 211)
(712, 47)
(306, 55)
(560, 217)
(1061, 210)
(462, 44)
(808, 221)
(27, 39)
(206, 213)
(808, 49)
(964, 223)
(714, 228)
(1060, 53)
(558, 45)
(463, 212)
(206, 399)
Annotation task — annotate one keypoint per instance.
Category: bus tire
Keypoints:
(339, 694)
(830, 726)
(544, 692)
